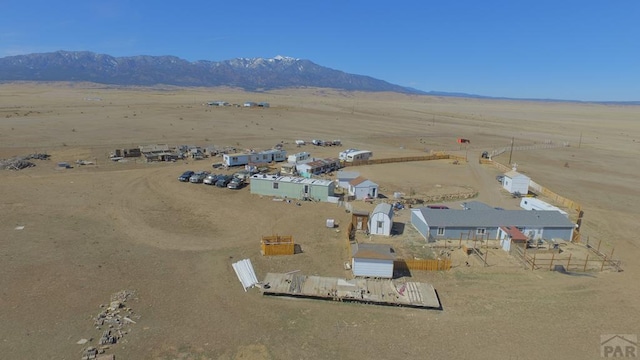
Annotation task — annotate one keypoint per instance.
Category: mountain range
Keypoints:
(252, 74)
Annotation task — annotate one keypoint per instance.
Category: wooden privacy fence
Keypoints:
(555, 197)
(423, 264)
(438, 156)
(277, 245)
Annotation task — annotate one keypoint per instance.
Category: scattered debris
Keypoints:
(21, 227)
(114, 318)
(22, 162)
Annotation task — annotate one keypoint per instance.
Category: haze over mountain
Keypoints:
(251, 74)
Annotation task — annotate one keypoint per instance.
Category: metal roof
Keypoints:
(292, 179)
(494, 218)
(373, 251)
(384, 209)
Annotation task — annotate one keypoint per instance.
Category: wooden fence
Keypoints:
(437, 156)
(277, 245)
(424, 264)
(594, 261)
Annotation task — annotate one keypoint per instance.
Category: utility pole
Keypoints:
(511, 152)
(580, 141)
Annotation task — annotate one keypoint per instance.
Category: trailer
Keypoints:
(528, 203)
(360, 155)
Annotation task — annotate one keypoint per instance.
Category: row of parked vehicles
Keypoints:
(235, 181)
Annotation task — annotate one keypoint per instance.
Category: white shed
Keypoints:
(381, 220)
(344, 177)
(362, 188)
(514, 182)
(372, 260)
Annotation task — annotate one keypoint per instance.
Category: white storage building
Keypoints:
(362, 188)
(372, 260)
(381, 220)
(514, 182)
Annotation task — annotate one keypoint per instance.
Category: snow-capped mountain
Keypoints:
(246, 73)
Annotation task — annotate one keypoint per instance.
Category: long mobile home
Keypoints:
(267, 156)
(360, 155)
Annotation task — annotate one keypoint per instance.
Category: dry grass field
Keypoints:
(94, 230)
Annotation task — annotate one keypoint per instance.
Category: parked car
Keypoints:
(235, 183)
(198, 177)
(223, 181)
(211, 179)
(185, 176)
(437, 207)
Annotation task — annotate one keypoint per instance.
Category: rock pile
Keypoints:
(114, 320)
(22, 162)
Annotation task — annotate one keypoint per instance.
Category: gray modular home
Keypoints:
(292, 187)
(484, 223)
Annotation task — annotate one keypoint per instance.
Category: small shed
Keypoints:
(511, 235)
(344, 177)
(381, 220)
(360, 220)
(362, 188)
(372, 260)
(514, 182)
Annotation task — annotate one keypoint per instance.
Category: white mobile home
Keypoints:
(292, 187)
(299, 157)
(514, 182)
(343, 154)
(381, 220)
(360, 155)
(528, 203)
(267, 156)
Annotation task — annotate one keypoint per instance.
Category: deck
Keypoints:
(370, 291)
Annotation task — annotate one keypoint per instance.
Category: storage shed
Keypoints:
(362, 188)
(292, 187)
(381, 220)
(372, 260)
(514, 182)
(344, 177)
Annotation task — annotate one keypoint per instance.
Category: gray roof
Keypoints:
(476, 205)
(347, 175)
(494, 218)
(383, 208)
(373, 251)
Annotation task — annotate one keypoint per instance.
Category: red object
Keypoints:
(464, 141)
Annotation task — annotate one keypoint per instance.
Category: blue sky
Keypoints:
(562, 49)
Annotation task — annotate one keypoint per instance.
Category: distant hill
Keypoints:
(252, 74)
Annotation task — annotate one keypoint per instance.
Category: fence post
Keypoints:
(569, 261)
(600, 241)
(486, 252)
(585, 263)
(553, 256)
(603, 261)
(533, 262)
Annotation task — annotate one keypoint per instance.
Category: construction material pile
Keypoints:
(22, 162)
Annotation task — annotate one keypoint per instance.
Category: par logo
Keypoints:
(619, 346)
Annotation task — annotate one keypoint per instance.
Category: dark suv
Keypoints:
(185, 176)
(223, 181)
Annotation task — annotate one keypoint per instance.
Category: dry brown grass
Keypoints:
(94, 230)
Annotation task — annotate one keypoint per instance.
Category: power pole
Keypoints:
(511, 152)
(580, 141)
